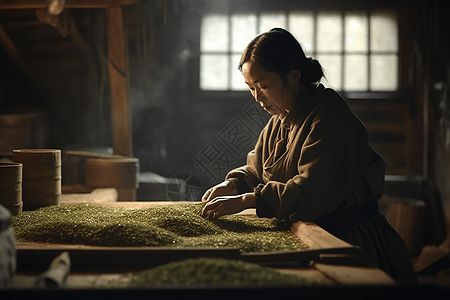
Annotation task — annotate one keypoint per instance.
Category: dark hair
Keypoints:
(278, 51)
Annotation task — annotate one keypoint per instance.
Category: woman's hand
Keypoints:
(226, 205)
(225, 188)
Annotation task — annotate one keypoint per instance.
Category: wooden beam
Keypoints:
(120, 111)
(117, 63)
(36, 4)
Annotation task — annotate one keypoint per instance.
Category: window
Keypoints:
(357, 49)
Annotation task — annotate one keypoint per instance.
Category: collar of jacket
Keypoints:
(300, 104)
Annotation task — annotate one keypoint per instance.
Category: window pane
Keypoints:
(214, 72)
(237, 80)
(383, 31)
(218, 66)
(243, 30)
(332, 66)
(301, 25)
(329, 31)
(214, 33)
(271, 20)
(383, 72)
(356, 32)
(356, 73)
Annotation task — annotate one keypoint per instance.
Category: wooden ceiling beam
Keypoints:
(37, 4)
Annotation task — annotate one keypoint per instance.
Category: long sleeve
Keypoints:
(247, 177)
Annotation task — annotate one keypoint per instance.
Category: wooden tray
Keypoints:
(323, 247)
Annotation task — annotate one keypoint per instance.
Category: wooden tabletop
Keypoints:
(323, 247)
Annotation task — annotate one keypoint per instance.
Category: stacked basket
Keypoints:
(41, 185)
(11, 187)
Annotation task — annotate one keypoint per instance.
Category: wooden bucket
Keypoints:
(41, 177)
(406, 215)
(120, 173)
(11, 187)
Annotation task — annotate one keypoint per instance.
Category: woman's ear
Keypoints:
(294, 76)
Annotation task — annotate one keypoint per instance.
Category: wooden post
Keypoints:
(117, 63)
(120, 110)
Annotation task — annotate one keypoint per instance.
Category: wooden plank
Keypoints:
(91, 280)
(35, 257)
(117, 63)
(316, 237)
(37, 4)
(116, 39)
(87, 154)
(348, 275)
(97, 280)
(311, 274)
(304, 257)
(32, 255)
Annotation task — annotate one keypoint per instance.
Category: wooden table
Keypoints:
(328, 261)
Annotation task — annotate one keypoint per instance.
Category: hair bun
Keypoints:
(312, 70)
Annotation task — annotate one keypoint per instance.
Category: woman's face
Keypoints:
(269, 90)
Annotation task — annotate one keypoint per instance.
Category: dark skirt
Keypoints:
(383, 246)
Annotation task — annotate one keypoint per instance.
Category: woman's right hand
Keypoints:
(225, 188)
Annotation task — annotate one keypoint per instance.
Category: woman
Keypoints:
(312, 160)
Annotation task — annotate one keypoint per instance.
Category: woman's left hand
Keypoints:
(226, 205)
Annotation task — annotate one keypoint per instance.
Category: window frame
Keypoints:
(286, 7)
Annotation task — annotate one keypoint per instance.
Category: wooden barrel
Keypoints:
(41, 184)
(120, 173)
(406, 215)
(11, 186)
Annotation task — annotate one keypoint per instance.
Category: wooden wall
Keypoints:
(386, 121)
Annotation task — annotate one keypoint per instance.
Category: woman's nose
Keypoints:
(258, 95)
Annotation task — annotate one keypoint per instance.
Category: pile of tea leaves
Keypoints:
(179, 225)
(217, 272)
